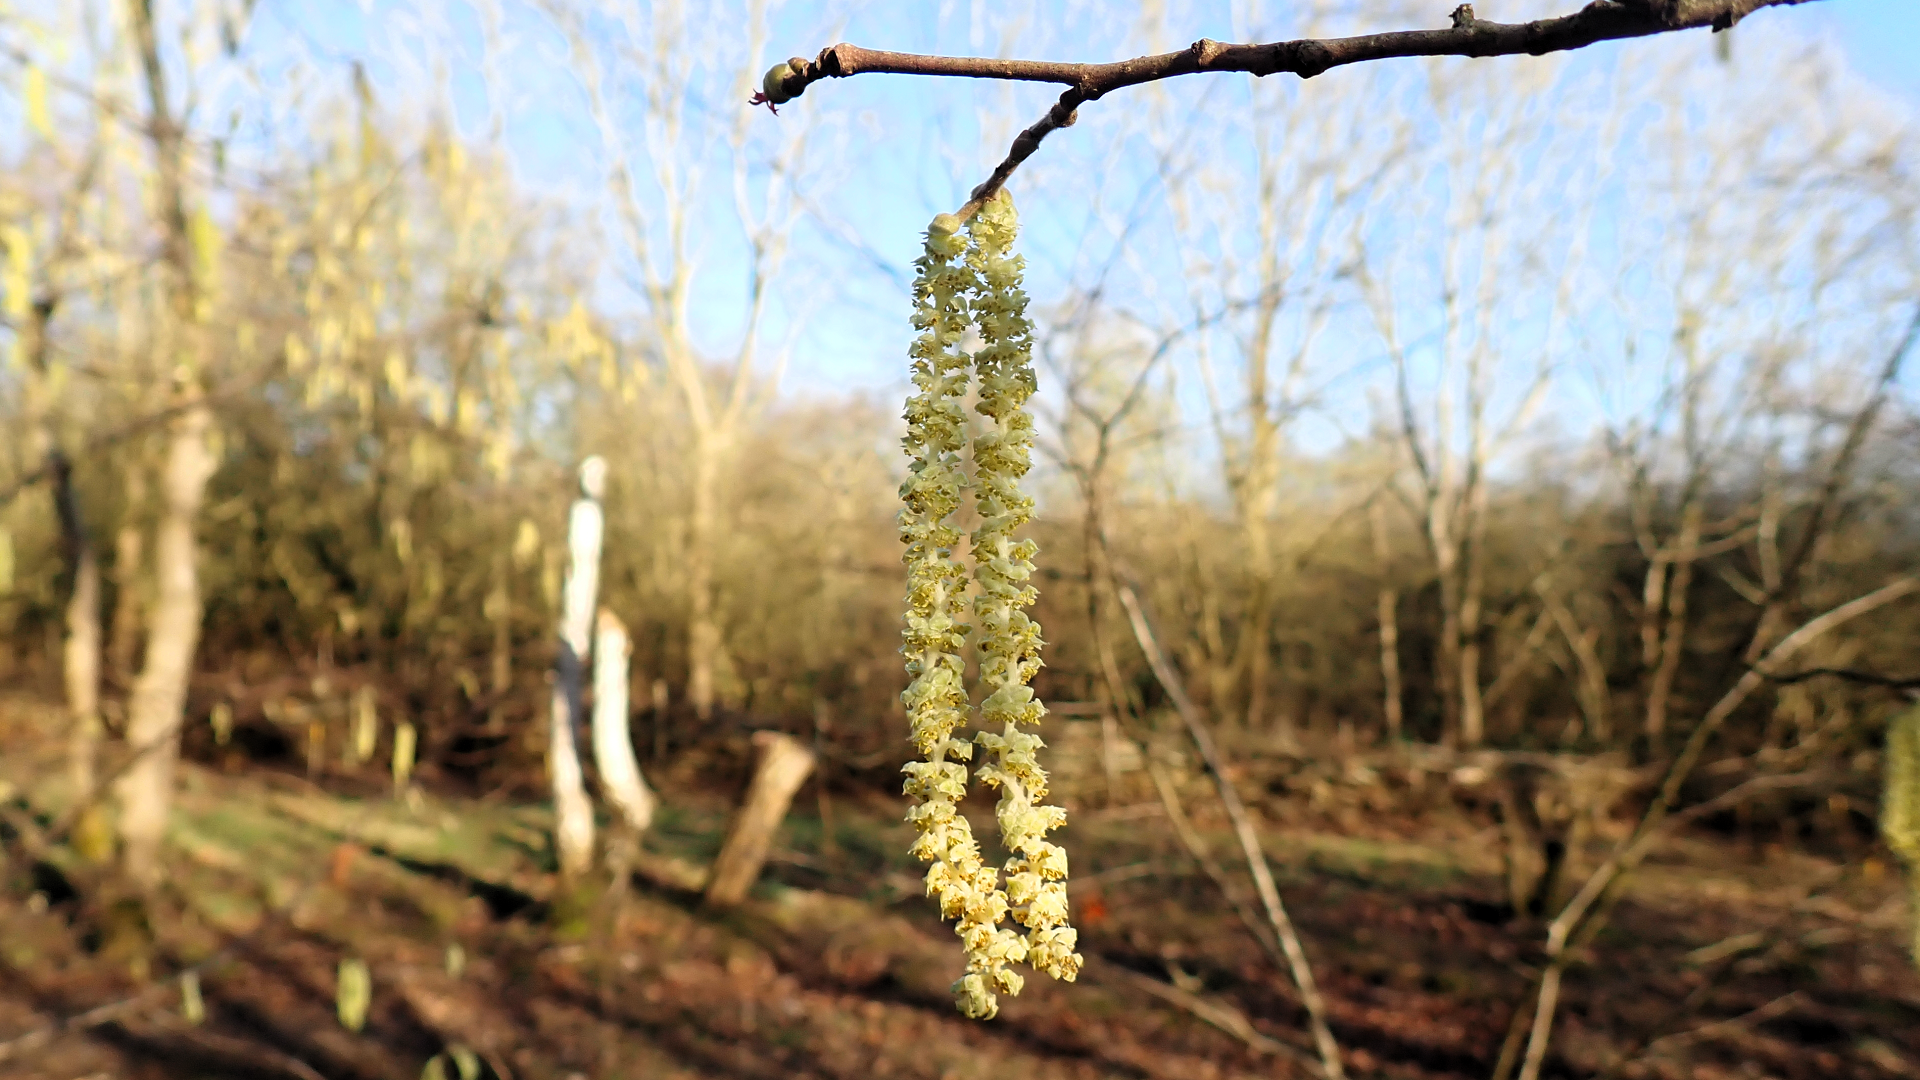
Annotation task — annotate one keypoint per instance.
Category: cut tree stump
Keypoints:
(781, 765)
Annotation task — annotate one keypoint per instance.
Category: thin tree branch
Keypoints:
(1586, 911)
(1825, 508)
(1864, 678)
(1243, 831)
(1219, 1014)
(1601, 20)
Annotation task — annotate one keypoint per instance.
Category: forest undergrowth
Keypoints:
(1731, 957)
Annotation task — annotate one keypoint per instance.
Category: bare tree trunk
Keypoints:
(1392, 694)
(129, 580)
(499, 609)
(81, 659)
(366, 726)
(1592, 693)
(703, 633)
(1447, 657)
(1257, 507)
(660, 703)
(1653, 599)
(573, 814)
(173, 635)
(1473, 713)
(1828, 505)
(173, 628)
(1674, 635)
(1096, 574)
(81, 649)
(781, 767)
(1259, 632)
(612, 735)
(1473, 584)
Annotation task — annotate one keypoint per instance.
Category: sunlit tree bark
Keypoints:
(173, 624)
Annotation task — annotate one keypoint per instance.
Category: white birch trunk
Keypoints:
(573, 814)
(612, 738)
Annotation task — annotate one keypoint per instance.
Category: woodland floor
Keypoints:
(1741, 963)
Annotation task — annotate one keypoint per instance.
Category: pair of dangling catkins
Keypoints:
(969, 278)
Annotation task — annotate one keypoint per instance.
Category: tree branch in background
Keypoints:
(1601, 20)
(1586, 912)
(1863, 678)
(1827, 509)
(1243, 830)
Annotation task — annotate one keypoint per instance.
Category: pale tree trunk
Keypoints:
(660, 703)
(1674, 635)
(1097, 573)
(80, 652)
(81, 648)
(173, 628)
(1257, 495)
(1391, 704)
(1258, 633)
(1454, 509)
(129, 573)
(1447, 666)
(1828, 504)
(573, 814)
(1210, 654)
(81, 659)
(1473, 713)
(780, 768)
(612, 736)
(1591, 693)
(173, 634)
(703, 632)
(499, 610)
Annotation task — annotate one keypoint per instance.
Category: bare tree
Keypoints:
(659, 191)
(173, 624)
(1393, 695)
(54, 266)
(1099, 408)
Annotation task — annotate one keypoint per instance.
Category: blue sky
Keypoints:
(902, 149)
(917, 141)
(1881, 37)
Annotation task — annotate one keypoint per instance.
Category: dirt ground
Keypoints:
(1724, 961)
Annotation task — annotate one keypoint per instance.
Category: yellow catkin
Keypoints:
(1010, 641)
(975, 283)
(936, 697)
(1900, 803)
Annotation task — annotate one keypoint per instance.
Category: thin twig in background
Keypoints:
(1243, 829)
(1219, 1014)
